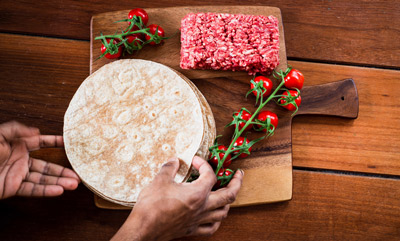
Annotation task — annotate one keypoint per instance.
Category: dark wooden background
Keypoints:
(346, 172)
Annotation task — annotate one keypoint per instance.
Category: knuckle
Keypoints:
(230, 197)
(196, 201)
(193, 207)
(190, 231)
(200, 195)
(197, 196)
(43, 179)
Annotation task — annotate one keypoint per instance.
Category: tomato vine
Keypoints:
(289, 98)
(132, 38)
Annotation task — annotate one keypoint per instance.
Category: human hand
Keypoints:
(166, 210)
(23, 175)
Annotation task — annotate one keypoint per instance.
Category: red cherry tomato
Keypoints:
(294, 79)
(291, 107)
(134, 39)
(267, 84)
(140, 13)
(214, 160)
(153, 29)
(264, 115)
(245, 116)
(115, 53)
(239, 142)
(221, 173)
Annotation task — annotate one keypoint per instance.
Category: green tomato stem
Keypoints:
(120, 36)
(238, 132)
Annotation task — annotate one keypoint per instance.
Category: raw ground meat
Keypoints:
(230, 42)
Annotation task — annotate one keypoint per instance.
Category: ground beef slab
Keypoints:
(234, 42)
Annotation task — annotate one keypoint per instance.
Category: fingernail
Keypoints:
(241, 172)
(173, 159)
(170, 161)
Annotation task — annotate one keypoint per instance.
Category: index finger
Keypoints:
(13, 129)
(43, 141)
(226, 195)
(51, 141)
(207, 177)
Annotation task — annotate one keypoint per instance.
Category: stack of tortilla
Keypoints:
(127, 119)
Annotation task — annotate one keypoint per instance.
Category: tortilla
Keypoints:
(209, 136)
(125, 121)
(208, 119)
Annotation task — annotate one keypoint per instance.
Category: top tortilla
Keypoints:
(125, 121)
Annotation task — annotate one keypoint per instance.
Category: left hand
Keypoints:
(22, 175)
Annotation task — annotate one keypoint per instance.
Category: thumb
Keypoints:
(169, 169)
(207, 177)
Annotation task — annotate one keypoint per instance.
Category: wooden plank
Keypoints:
(340, 31)
(39, 80)
(370, 143)
(324, 207)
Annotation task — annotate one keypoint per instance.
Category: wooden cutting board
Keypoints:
(268, 171)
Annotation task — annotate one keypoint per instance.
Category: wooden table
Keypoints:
(346, 172)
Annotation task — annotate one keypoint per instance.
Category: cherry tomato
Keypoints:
(214, 160)
(153, 29)
(267, 84)
(294, 79)
(264, 115)
(239, 142)
(245, 116)
(134, 39)
(116, 53)
(291, 107)
(140, 13)
(221, 173)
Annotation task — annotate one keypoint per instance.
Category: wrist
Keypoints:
(134, 228)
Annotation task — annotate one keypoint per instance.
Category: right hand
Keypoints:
(166, 210)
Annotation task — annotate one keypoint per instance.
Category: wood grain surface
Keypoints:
(53, 69)
(338, 98)
(324, 207)
(361, 32)
(350, 190)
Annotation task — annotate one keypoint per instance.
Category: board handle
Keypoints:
(335, 99)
